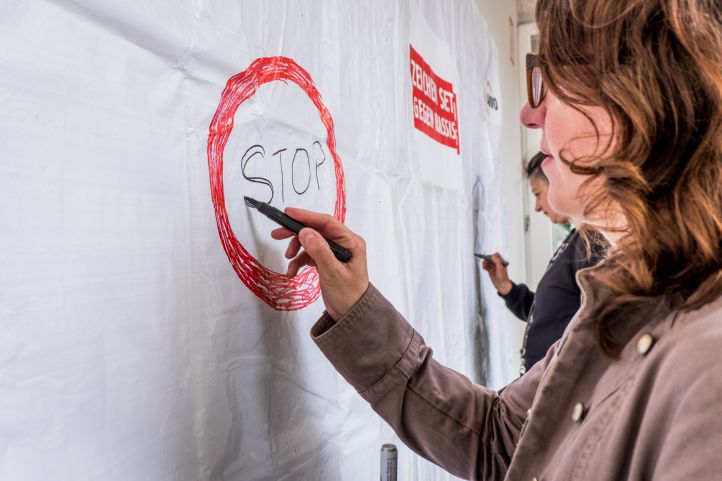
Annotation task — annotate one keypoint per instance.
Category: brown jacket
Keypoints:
(656, 413)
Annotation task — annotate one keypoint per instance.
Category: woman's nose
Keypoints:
(533, 118)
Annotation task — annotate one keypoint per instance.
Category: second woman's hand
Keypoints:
(342, 283)
(498, 274)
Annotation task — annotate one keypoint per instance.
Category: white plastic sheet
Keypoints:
(130, 348)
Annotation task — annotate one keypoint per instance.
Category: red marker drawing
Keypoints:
(274, 288)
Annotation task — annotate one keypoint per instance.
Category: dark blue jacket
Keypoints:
(557, 298)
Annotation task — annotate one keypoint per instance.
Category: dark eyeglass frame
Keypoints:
(535, 88)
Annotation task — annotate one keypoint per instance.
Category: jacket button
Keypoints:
(578, 412)
(644, 343)
(534, 479)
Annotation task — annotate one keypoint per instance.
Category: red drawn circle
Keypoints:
(277, 290)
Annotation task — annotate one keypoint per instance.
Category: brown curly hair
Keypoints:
(655, 66)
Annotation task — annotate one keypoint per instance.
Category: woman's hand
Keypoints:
(342, 284)
(498, 274)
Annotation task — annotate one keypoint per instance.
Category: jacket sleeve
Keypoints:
(469, 430)
(519, 300)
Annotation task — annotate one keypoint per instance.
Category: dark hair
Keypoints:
(654, 66)
(533, 167)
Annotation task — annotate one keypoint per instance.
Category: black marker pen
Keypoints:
(488, 258)
(341, 253)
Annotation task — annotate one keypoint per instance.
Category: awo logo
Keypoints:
(492, 104)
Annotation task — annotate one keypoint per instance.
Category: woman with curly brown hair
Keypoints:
(628, 95)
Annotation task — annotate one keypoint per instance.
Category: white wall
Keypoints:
(497, 14)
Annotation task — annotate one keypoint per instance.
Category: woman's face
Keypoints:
(540, 188)
(567, 132)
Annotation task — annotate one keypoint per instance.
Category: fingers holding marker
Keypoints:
(325, 240)
(342, 283)
(338, 254)
(303, 259)
(498, 260)
(281, 233)
(325, 224)
(294, 245)
(318, 249)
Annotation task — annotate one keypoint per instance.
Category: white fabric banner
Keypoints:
(147, 333)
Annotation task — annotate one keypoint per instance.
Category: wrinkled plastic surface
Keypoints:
(129, 347)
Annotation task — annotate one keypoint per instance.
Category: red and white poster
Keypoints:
(434, 106)
(434, 103)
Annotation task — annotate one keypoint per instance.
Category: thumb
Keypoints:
(317, 247)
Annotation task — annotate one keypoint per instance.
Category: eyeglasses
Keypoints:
(535, 88)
